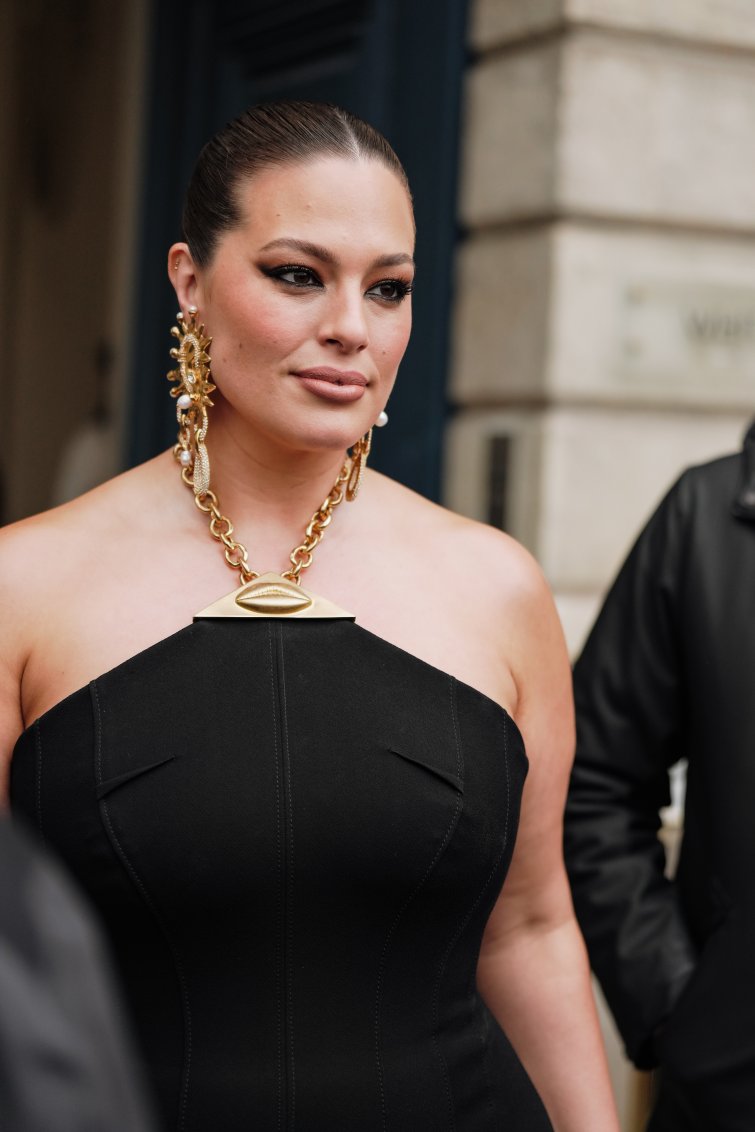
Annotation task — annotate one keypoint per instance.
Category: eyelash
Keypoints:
(402, 287)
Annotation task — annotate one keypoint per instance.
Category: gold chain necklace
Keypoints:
(235, 553)
(192, 392)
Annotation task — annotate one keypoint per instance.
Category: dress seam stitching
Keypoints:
(38, 784)
(290, 875)
(450, 830)
(141, 887)
(279, 851)
(436, 990)
(464, 921)
(486, 1068)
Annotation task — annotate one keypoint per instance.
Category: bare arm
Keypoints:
(533, 970)
(11, 725)
(11, 669)
(21, 567)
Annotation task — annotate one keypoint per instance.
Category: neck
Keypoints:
(268, 492)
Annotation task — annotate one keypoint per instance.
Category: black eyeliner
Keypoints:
(280, 270)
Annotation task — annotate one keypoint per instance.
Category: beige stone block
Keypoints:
(611, 126)
(649, 318)
(468, 466)
(572, 312)
(577, 612)
(509, 137)
(655, 133)
(711, 21)
(501, 316)
(495, 22)
(580, 482)
(602, 475)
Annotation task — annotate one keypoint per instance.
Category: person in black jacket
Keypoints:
(65, 1064)
(668, 673)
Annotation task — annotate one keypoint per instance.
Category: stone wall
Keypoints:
(604, 332)
(605, 314)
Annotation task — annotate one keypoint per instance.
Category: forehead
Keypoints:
(328, 199)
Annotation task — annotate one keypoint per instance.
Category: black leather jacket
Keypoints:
(668, 672)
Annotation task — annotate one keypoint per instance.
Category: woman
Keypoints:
(296, 826)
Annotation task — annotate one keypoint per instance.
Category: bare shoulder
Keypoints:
(33, 559)
(31, 553)
(504, 571)
(491, 591)
(49, 545)
(56, 569)
(70, 553)
(47, 555)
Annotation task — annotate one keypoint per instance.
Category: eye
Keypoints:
(390, 290)
(294, 274)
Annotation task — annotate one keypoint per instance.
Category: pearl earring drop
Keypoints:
(382, 420)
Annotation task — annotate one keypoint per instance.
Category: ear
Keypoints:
(184, 275)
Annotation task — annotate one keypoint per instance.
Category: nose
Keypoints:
(344, 322)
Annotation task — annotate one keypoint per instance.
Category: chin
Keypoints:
(334, 434)
(301, 429)
(327, 440)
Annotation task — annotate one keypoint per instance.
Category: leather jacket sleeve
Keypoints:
(627, 692)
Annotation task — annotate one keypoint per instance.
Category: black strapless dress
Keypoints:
(294, 833)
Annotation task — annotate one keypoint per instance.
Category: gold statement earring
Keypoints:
(192, 392)
(359, 453)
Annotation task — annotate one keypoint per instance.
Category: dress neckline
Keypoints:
(185, 630)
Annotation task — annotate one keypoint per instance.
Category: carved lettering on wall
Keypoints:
(679, 332)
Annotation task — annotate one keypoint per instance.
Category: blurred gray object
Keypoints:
(65, 1062)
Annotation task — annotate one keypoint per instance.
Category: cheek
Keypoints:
(261, 332)
(394, 341)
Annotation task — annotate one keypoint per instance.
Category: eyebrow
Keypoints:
(325, 256)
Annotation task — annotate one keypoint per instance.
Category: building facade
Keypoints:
(585, 185)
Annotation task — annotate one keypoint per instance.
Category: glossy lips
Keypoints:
(333, 384)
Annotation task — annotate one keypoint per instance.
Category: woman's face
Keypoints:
(308, 300)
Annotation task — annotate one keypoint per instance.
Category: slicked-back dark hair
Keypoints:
(270, 134)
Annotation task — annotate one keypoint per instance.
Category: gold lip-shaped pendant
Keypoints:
(271, 595)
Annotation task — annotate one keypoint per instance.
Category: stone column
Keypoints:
(604, 331)
(605, 315)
